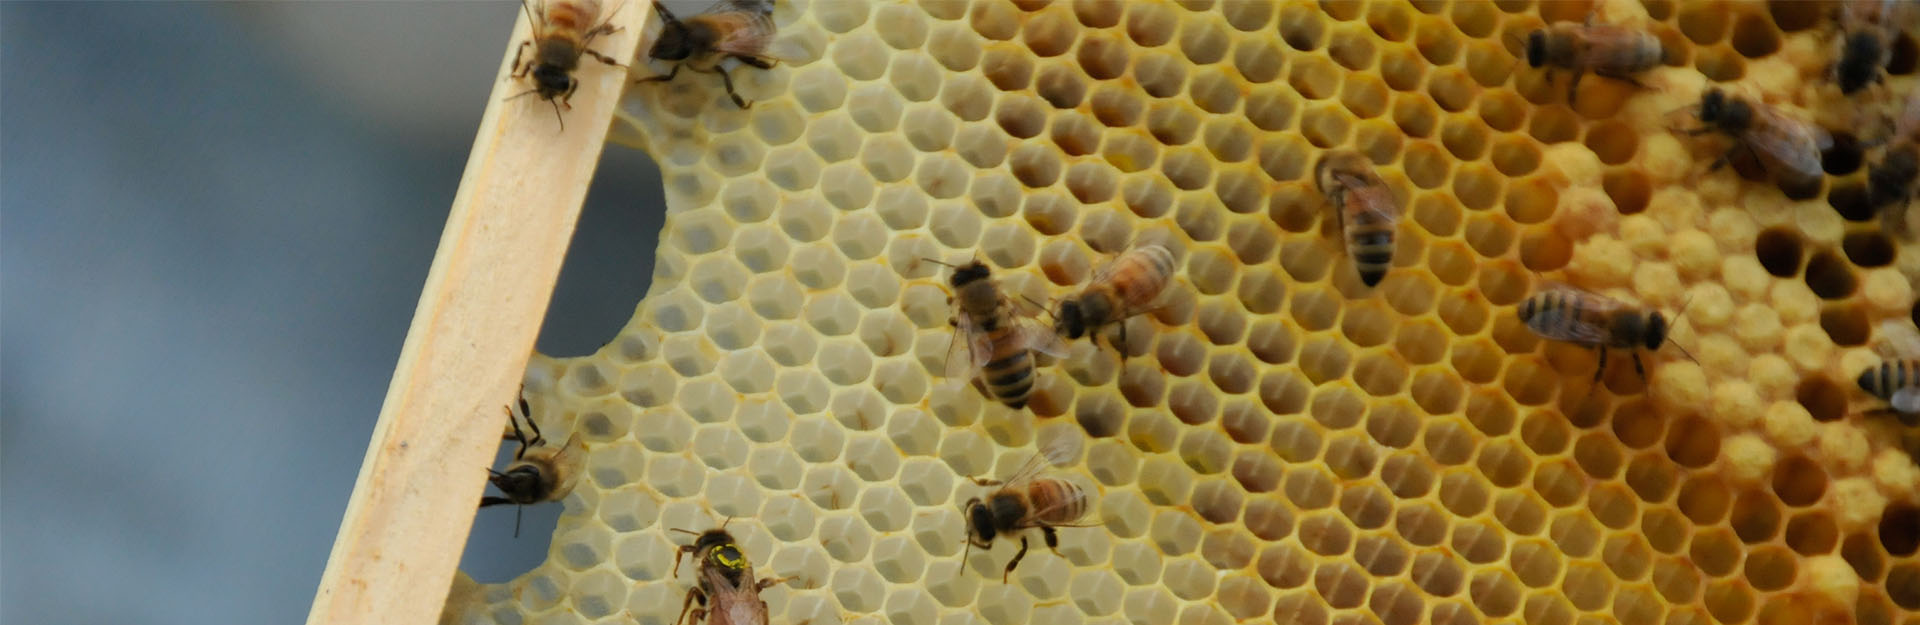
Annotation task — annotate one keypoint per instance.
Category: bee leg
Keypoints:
(728, 82)
(1639, 368)
(1053, 539)
(769, 582)
(1015, 561)
(493, 501)
(519, 70)
(603, 58)
(760, 62)
(981, 481)
(1601, 368)
(693, 594)
(1573, 85)
(662, 78)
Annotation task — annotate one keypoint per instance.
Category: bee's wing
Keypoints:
(1060, 450)
(1906, 400)
(568, 459)
(964, 363)
(1564, 323)
(746, 27)
(1370, 196)
(1789, 146)
(1040, 338)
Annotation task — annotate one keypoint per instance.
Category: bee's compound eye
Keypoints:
(1537, 48)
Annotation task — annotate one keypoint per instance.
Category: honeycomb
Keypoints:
(1281, 444)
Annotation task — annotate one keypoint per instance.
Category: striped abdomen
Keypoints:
(1141, 274)
(1056, 501)
(1369, 217)
(1008, 373)
(1886, 378)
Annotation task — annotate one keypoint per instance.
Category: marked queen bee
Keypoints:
(1025, 501)
(738, 29)
(999, 338)
(539, 473)
(726, 590)
(1580, 317)
(1365, 208)
(1617, 52)
(1128, 285)
(562, 30)
(1788, 149)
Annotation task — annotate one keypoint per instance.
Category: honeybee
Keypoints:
(1565, 313)
(1365, 208)
(1617, 52)
(1128, 285)
(739, 29)
(1788, 149)
(1896, 382)
(539, 473)
(726, 590)
(1025, 501)
(562, 30)
(1862, 54)
(1891, 181)
(1000, 338)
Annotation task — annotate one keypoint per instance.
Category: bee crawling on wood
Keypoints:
(1365, 208)
(539, 473)
(1000, 339)
(1617, 52)
(726, 590)
(1573, 315)
(1025, 501)
(1788, 149)
(739, 29)
(1128, 285)
(562, 32)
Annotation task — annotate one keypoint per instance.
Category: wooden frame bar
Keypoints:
(466, 352)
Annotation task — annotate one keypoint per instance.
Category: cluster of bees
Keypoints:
(998, 344)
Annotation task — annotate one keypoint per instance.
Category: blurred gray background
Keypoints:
(215, 220)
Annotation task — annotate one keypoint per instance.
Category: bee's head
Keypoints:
(1864, 46)
(1067, 321)
(979, 522)
(518, 482)
(712, 538)
(1730, 113)
(968, 274)
(1656, 330)
(1537, 48)
(551, 81)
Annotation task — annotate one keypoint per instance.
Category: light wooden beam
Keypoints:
(485, 296)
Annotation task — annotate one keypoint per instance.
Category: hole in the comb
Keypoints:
(1531, 201)
(1150, 24)
(1214, 91)
(1846, 325)
(1478, 188)
(1812, 533)
(1852, 202)
(1704, 23)
(1102, 57)
(1160, 75)
(1554, 125)
(1230, 140)
(1704, 500)
(1098, 13)
(1171, 124)
(1364, 95)
(1380, 375)
(1061, 87)
(1770, 568)
(1099, 415)
(1437, 43)
(1314, 79)
(1021, 117)
(1868, 249)
(1324, 126)
(1900, 530)
(1715, 551)
(1830, 277)
(1007, 69)
(1799, 481)
(1844, 156)
(1613, 141)
(1779, 251)
(1050, 34)
(1905, 55)
(1503, 111)
(1542, 251)
(1203, 42)
(1465, 137)
(1797, 15)
(1824, 399)
(1475, 19)
(1756, 517)
(1629, 190)
(1402, 69)
(1693, 442)
(1864, 556)
(1301, 27)
(1755, 37)
(1352, 50)
(1258, 61)
(1091, 183)
(1452, 89)
(1720, 65)
(1035, 165)
(995, 20)
(1389, 21)
(1187, 169)
(1426, 165)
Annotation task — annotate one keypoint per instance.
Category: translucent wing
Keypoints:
(745, 27)
(1369, 197)
(1787, 146)
(1036, 337)
(1906, 400)
(567, 461)
(1565, 322)
(964, 363)
(1060, 450)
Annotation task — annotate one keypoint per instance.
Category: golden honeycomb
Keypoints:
(1281, 444)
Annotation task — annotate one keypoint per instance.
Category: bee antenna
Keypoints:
(1683, 350)
(558, 117)
(723, 524)
(687, 532)
(1042, 307)
(964, 552)
(943, 264)
(664, 13)
(520, 95)
(516, 520)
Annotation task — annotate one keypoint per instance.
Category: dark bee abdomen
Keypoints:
(1009, 378)
(1370, 243)
(1056, 502)
(1884, 379)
